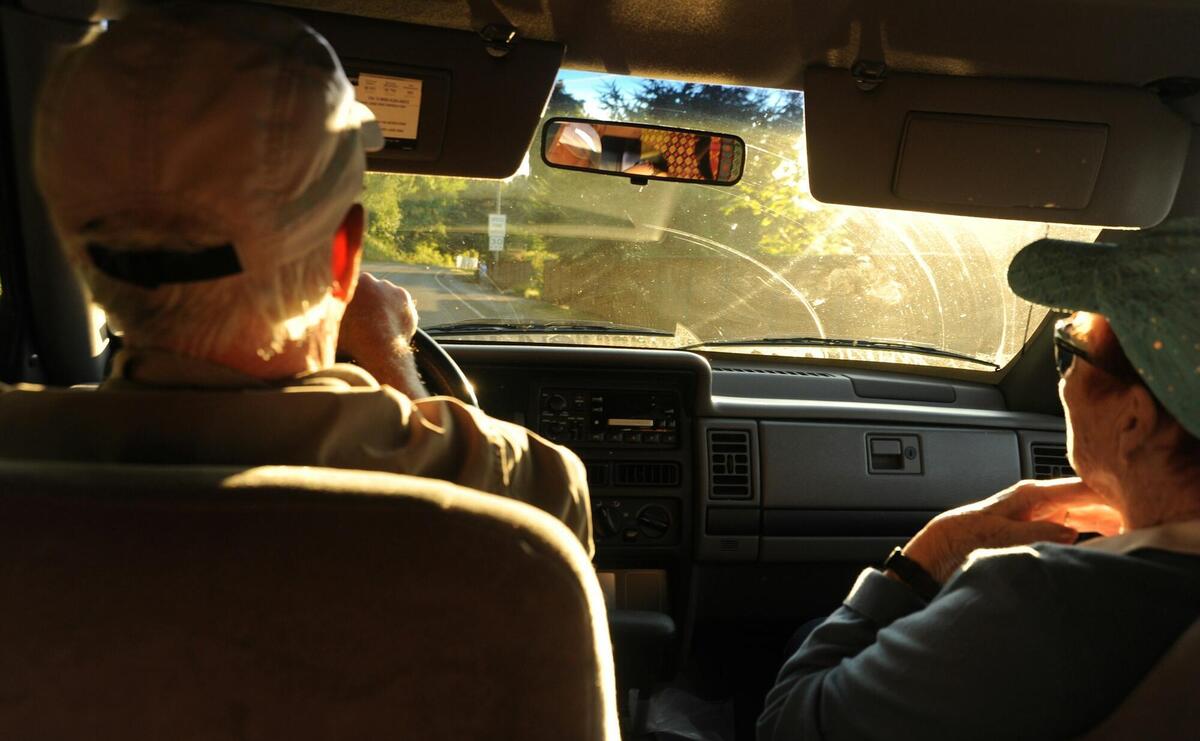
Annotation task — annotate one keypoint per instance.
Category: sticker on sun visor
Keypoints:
(395, 101)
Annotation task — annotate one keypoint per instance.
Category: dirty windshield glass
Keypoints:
(558, 256)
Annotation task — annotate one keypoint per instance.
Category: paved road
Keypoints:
(444, 295)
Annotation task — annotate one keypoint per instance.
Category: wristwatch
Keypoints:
(912, 574)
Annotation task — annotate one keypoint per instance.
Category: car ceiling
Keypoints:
(770, 42)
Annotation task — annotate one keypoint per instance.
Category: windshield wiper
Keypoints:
(859, 344)
(557, 326)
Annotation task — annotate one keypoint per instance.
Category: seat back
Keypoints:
(271, 603)
(1165, 706)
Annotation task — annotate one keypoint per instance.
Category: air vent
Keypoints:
(652, 473)
(597, 474)
(1050, 461)
(774, 372)
(729, 464)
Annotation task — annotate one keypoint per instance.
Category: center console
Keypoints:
(639, 474)
(633, 426)
(629, 439)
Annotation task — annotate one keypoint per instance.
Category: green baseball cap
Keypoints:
(1148, 288)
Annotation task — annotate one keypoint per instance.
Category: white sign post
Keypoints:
(497, 226)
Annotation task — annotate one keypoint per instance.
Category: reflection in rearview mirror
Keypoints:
(642, 152)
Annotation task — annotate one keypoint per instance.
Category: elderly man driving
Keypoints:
(993, 622)
(202, 166)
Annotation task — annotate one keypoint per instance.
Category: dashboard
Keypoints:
(708, 478)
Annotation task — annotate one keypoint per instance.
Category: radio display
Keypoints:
(626, 418)
(621, 422)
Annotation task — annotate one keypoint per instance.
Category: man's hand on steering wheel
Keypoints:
(377, 331)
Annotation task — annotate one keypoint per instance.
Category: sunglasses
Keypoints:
(1067, 348)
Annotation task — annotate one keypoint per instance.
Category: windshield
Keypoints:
(528, 258)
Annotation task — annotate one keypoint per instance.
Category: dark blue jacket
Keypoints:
(1035, 642)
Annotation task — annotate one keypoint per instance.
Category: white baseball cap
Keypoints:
(193, 141)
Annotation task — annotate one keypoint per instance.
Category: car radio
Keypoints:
(583, 417)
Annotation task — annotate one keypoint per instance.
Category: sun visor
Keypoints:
(447, 101)
(1040, 151)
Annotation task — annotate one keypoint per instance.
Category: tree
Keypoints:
(562, 103)
(409, 213)
(771, 212)
(772, 207)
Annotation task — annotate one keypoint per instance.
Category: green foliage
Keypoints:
(759, 258)
(696, 106)
(775, 202)
(407, 216)
(430, 220)
(427, 253)
(772, 209)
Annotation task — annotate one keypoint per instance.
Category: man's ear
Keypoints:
(347, 253)
(1137, 421)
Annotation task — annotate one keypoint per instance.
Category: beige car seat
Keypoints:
(291, 603)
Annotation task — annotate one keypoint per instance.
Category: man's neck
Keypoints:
(295, 358)
(1157, 492)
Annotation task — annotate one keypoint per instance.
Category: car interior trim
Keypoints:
(993, 145)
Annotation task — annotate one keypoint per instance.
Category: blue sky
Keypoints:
(587, 86)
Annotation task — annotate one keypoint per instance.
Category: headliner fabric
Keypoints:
(299, 603)
(770, 42)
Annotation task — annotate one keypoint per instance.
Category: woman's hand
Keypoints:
(1027, 512)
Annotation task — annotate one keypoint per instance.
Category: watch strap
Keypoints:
(912, 574)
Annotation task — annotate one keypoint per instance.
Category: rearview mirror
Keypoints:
(642, 152)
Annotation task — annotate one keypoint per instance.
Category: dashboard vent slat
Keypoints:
(649, 473)
(597, 474)
(1050, 461)
(729, 465)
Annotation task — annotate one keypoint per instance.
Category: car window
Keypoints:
(696, 264)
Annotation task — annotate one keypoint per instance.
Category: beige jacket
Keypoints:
(161, 408)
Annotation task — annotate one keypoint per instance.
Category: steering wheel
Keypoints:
(439, 371)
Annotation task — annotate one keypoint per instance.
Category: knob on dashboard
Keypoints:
(604, 520)
(556, 403)
(654, 521)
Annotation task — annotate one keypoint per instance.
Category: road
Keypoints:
(445, 295)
